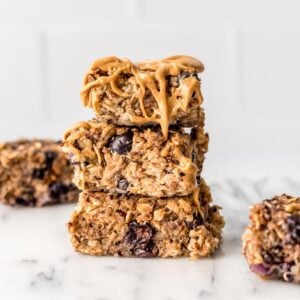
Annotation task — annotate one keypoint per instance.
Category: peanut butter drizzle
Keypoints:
(87, 125)
(197, 202)
(73, 128)
(190, 170)
(150, 75)
(186, 166)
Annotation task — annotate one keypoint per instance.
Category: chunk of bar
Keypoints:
(135, 160)
(160, 92)
(271, 243)
(136, 226)
(35, 173)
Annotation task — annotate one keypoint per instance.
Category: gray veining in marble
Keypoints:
(37, 261)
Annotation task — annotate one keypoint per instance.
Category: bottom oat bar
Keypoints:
(271, 243)
(35, 173)
(135, 226)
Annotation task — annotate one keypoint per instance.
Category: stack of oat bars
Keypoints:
(139, 162)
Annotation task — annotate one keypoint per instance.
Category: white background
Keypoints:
(251, 50)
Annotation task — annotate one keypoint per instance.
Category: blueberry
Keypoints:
(267, 213)
(49, 158)
(174, 127)
(147, 250)
(185, 75)
(121, 143)
(38, 173)
(50, 155)
(267, 258)
(213, 209)
(123, 184)
(139, 233)
(193, 134)
(260, 269)
(296, 234)
(197, 221)
(57, 188)
(293, 223)
(26, 202)
(139, 237)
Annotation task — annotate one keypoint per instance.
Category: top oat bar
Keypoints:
(160, 92)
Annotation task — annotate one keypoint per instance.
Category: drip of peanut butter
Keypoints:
(78, 125)
(186, 166)
(151, 75)
(87, 125)
(196, 201)
(190, 170)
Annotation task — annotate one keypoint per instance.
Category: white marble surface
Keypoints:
(37, 261)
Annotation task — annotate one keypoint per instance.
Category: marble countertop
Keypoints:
(37, 261)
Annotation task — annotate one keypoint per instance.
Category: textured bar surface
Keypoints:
(271, 243)
(137, 226)
(35, 173)
(135, 160)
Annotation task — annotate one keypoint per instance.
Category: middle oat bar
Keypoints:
(135, 160)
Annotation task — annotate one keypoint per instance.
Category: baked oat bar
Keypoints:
(271, 243)
(35, 173)
(135, 160)
(136, 226)
(160, 92)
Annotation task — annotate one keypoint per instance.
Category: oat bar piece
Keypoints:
(136, 226)
(160, 92)
(35, 173)
(271, 243)
(135, 160)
